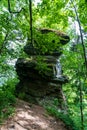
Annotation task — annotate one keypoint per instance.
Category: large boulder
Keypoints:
(28, 69)
(40, 79)
(32, 51)
(47, 42)
(64, 38)
(36, 84)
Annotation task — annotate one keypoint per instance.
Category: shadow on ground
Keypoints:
(31, 117)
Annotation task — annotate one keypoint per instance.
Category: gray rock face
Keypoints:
(64, 39)
(34, 84)
(30, 50)
(37, 81)
(41, 44)
(27, 69)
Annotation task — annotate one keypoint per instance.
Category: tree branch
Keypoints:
(30, 11)
(13, 12)
(84, 56)
(82, 41)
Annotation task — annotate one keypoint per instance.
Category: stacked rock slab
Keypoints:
(36, 84)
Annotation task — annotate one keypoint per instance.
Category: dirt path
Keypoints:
(32, 117)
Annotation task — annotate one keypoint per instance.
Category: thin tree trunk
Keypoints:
(30, 10)
(84, 56)
(81, 107)
(82, 41)
(9, 8)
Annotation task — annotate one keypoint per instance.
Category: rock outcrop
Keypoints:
(39, 78)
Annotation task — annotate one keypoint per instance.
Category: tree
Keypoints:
(78, 66)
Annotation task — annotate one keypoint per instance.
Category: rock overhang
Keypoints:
(50, 42)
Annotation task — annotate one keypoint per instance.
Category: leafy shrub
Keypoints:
(7, 99)
(64, 117)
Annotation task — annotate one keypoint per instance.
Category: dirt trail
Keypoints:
(31, 117)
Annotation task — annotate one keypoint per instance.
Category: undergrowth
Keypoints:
(63, 116)
(7, 100)
(52, 106)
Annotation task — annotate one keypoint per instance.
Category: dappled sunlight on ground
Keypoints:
(31, 117)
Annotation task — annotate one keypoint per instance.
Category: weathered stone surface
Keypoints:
(36, 88)
(30, 50)
(64, 38)
(60, 80)
(35, 85)
(38, 81)
(55, 38)
(28, 69)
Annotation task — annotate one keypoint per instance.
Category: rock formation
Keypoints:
(42, 78)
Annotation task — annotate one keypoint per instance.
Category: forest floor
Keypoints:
(31, 117)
